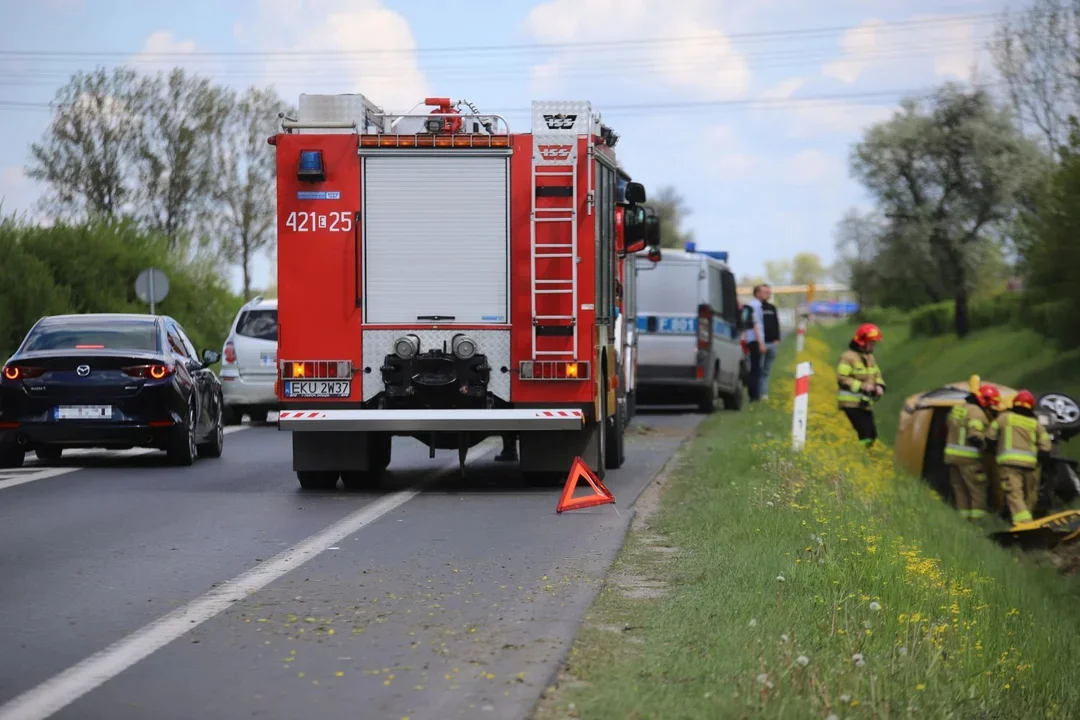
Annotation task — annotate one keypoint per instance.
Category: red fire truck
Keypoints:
(443, 278)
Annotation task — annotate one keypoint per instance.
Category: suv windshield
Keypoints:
(94, 335)
(259, 324)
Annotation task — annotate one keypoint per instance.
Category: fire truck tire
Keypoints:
(317, 479)
(631, 406)
(616, 436)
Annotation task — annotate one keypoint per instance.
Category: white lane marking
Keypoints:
(20, 476)
(61, 690)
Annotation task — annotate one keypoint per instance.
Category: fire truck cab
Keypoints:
(443, 278)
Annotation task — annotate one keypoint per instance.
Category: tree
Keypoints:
(858, 243)
(247, 192)
(177, 174)
(947, 172)
(86, 155)
(1054, 254)
(1036, 54)
(778, 272)
(671, 208)
(806, 268)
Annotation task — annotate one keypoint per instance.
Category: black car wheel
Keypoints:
(11, 456)
(182, 450)
(49, 453)
(212, 448)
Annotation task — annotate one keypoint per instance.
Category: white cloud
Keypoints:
(726, 157)
(783, 90)
(837, 118)
(941, 44)
(859, 45)
(812, 167)
(708, 65)
(361, 28)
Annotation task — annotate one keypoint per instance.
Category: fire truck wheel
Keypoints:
(317, 480)
(631, 405)
(615, 445)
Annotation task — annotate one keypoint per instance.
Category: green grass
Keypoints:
(1016, 358)
(947, 623)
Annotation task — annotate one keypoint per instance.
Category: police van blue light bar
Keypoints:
(721, 255)
(311, 166)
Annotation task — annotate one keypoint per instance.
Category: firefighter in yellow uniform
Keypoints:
(967, 427)
(1020, 439)
(860, 381)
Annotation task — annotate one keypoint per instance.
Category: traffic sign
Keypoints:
(152, 286)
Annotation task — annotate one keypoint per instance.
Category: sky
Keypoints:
(749, 108)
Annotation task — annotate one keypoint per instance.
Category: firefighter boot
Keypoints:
(509, 451)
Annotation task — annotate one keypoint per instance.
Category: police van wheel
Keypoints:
(710, 395)
(734, 401)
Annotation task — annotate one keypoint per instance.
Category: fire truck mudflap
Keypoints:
(442, 278)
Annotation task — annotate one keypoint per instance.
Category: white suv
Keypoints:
(249, 362)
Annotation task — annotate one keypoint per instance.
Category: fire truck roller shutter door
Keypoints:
(436, 238)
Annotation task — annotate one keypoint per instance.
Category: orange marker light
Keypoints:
(298, 369)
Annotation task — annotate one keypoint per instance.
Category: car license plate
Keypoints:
(317, 388)
(84, 412)
(268, 360)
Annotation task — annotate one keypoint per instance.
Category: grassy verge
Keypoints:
(781, 585)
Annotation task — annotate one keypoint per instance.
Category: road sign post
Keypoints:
(803, 371)
(152, 286)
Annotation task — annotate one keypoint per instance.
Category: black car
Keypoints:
(110, 381)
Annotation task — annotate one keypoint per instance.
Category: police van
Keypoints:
(688, 331)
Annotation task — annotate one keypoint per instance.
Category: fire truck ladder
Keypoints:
(555, 155)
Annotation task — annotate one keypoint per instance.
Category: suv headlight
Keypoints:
(463, 347)
(407, 346)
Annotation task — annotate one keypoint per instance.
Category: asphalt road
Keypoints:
(132, 589)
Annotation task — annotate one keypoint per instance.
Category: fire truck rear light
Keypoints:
(316, 369)
(553, 370)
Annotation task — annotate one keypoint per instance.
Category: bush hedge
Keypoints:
(1006, 309)
(92, 268)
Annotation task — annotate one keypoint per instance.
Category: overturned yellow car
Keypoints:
(920, 443)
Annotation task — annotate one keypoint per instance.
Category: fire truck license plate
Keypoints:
(317, 388)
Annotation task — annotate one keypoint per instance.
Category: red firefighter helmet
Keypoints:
(867, 332)
(1024, 399)
(989, 395)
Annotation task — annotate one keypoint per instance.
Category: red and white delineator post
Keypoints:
(800, 334)
(803, 371)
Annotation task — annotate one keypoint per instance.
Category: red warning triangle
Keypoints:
(578, 471)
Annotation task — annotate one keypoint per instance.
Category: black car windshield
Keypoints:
(259, 324)
(97, 335)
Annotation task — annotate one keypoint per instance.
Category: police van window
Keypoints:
(260, 324)
(668, 287)
(716, 290)
(731, 296)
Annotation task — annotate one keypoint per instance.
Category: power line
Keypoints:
(665, 106)
(480, 49)
(512, 72)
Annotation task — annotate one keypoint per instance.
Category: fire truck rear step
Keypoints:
(409, 421)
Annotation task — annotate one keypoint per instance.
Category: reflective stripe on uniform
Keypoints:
(963, 451)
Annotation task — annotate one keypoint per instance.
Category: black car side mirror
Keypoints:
(209, 357)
